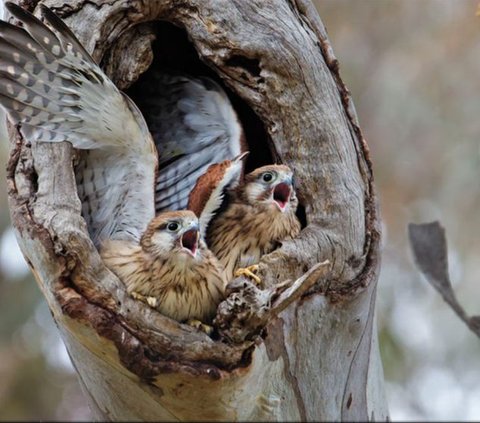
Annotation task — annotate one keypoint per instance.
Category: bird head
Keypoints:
(172, 232)
(271, 186)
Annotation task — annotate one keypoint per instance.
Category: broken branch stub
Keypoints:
(429, 246)
(248, 309)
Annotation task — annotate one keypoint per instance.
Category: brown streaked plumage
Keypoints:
(172, 265)
(259, 214)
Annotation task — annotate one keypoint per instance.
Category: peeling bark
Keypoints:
(308, 350)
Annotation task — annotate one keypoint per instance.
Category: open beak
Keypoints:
(189, 241)
(281, 194)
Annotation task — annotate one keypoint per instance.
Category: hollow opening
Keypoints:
(174, 52)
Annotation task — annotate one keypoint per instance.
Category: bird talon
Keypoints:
(249, 272)
(197, 324)
(151, 301)
(137, 296)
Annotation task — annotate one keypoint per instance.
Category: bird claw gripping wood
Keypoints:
(151, 301)
(247, 309)
(202, 327)
(249, 272)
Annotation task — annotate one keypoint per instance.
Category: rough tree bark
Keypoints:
(318, 359)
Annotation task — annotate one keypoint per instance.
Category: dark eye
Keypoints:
(267, 177)
(173, 226)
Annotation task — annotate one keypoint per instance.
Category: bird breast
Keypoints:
(242, 234)
(190, 289)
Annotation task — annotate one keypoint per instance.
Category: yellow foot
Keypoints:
(249, 272)
(151, 301)
(197, 324)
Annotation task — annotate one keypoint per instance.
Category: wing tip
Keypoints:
(208, 194)
(62, 28)
(20, 13)
(12, 7)
(241, 156)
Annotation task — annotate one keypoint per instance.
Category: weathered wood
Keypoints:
(318, 359)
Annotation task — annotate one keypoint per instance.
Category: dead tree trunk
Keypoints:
(318, 359)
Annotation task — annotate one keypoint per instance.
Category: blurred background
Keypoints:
(414, 72)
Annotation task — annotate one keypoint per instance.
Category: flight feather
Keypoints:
(53, 89)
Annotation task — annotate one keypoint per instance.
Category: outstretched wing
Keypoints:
(213, 188)
(54, 90)
(194, 125)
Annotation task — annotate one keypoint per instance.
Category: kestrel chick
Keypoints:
(172, 265)
(257, 214)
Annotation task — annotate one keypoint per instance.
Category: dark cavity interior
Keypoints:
(174, 51)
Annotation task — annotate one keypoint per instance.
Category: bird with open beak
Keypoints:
(171, 268)
(257, 215)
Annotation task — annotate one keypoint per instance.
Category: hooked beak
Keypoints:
(189, 240)
(282, 193)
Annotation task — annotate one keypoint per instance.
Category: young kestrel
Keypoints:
(258, 213)
(171, 268)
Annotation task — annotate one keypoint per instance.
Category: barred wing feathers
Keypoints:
(54, 90)
(194, 125)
